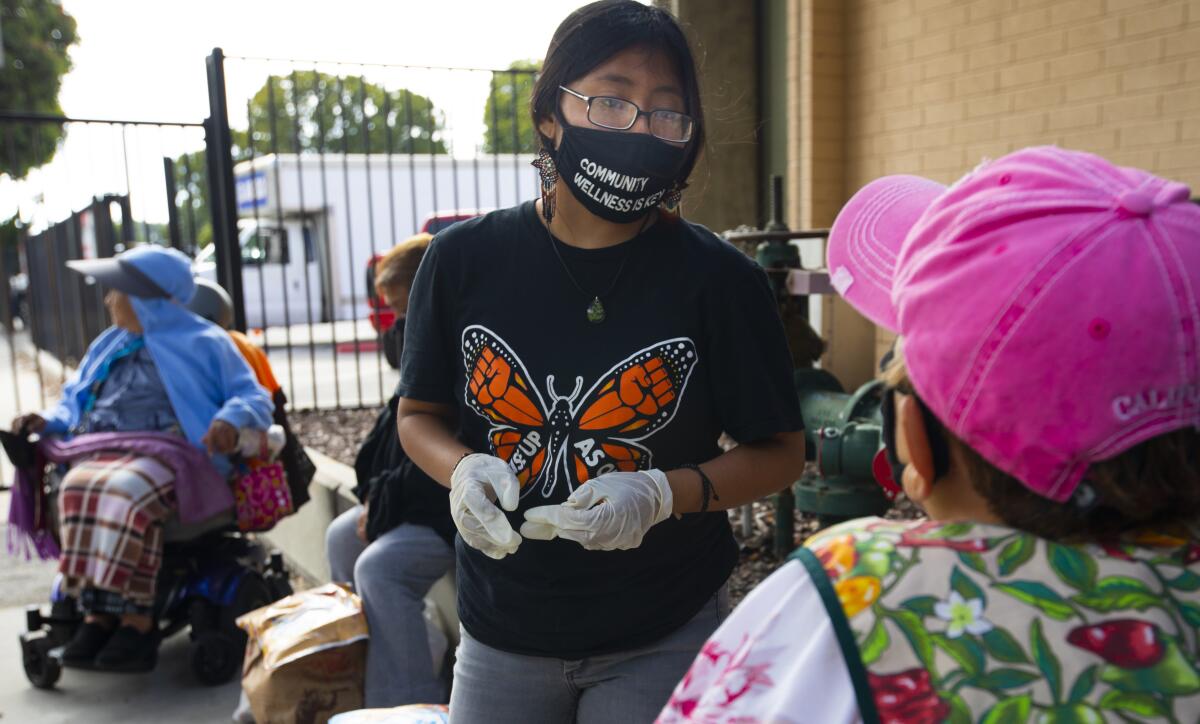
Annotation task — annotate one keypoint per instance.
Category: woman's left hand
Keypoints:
(608, 512)
(221, 438)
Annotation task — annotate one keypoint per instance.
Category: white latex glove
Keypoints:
(476, 483)
(608, 512)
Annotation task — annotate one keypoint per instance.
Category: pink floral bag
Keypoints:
(262, 495)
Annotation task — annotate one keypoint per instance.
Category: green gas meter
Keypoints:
(843, 436)
(842, 430)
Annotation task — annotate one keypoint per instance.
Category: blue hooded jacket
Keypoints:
(204, 374)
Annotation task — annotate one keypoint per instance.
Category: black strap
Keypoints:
(845, 637)
(18, 448)
(707, 490)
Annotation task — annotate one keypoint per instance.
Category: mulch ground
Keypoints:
(338, 433)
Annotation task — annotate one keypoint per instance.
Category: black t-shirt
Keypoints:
(692, 346)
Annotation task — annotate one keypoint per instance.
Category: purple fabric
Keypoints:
(200, 491)
(28, 524)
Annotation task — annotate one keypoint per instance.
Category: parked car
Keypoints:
(380, 314)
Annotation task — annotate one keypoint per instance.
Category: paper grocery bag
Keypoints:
(305, 656)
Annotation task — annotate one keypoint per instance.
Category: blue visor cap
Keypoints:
(146, 271)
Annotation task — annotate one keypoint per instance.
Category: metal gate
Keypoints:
(109, 184)
(285, 195)
(333, 164)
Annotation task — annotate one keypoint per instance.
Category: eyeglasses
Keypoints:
(618, 114)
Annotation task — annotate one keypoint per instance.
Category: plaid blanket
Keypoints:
(112, 509)
(200, 490)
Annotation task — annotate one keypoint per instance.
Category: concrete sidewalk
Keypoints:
(168, 694)
(21, 581)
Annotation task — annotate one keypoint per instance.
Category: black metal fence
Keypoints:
(99, 188)
(65, 312)
(302, 175)
(88, 188)
(335, 163)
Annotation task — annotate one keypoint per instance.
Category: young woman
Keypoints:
(569, 365)
(1043, 407)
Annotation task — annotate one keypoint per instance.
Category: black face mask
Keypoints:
(937, 443)
(887, 411)
(617, 176)
(393, 343)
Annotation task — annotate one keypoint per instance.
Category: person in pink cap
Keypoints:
(1043, 408)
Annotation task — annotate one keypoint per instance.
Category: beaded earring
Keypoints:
(544, 163)
(670, 202)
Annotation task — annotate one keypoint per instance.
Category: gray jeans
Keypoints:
(392, 575)
(629, 687)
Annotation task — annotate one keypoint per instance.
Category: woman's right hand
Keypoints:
(477, 481)
(28, 424)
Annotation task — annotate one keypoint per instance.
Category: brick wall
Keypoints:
(818, 173)
(934, 86)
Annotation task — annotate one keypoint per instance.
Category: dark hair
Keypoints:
(598, 31)
(1154, 484)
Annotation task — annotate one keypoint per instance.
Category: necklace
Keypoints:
(595, 310)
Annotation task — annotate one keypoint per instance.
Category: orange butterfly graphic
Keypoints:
(578, 437)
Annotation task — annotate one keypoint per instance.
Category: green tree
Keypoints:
(323, 113)
(191, 188)
(507, 109)
(35, 37)
(341, 115)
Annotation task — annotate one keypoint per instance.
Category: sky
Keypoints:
(145, 59)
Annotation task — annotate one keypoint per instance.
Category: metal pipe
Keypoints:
(172, 211)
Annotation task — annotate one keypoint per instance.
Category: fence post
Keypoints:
(172, 209)
(218, 145)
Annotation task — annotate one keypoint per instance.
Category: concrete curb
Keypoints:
(301, 537)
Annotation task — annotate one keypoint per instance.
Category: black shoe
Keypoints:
(89, 640)
(129, 650)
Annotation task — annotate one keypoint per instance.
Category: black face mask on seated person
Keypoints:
(393, 343)
(618, 176)
(937, 442)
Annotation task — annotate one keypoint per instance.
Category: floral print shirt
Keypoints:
(957, 622)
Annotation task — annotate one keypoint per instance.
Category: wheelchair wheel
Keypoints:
(215, 657)
(41, 670)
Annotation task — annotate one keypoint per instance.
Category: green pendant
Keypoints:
(595, 311)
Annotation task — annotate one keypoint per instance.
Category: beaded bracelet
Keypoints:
(707, 490)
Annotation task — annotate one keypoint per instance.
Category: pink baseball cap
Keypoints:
(1049, 303)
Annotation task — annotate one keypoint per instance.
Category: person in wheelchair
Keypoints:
(180, 386)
